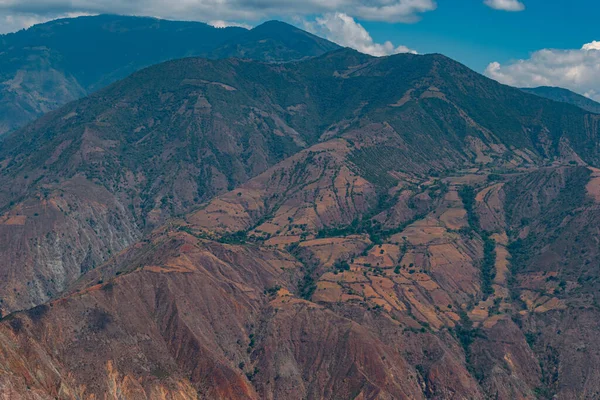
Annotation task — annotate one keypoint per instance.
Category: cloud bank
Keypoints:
(576, 69)
(22, 13)
(18, 21)
(227, 24)
(345, 31)
(505, 5)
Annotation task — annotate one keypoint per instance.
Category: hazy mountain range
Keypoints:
(51, 64)
(566, 96)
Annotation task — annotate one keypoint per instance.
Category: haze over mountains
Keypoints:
(51, 64)
(342, 226)
(566, 96)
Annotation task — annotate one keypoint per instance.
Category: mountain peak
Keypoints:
(275, 24)
(276, 41)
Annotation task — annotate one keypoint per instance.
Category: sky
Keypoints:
(523, 43)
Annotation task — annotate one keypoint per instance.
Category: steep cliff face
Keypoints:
(55, 236)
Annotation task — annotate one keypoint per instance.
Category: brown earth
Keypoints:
(349, 259)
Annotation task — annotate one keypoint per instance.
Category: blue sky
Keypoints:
(471, 32)
(523, 43)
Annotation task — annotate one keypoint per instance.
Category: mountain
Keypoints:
(274, 41)
(565, 96)
(169, 137)
(51, 64)
(339, 227)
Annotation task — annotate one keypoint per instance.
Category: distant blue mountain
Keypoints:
(565, 96)
(50, 64)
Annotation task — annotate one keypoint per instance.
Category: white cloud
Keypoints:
(389, 10)
(345, 31)
(13, 23)
(595, 45)
(227, 24)
(30, 11)
(505, 5)
(18, 21)
(576, 69)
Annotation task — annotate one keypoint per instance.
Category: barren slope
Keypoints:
(412, 241)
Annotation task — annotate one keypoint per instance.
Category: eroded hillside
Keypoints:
(426, 233)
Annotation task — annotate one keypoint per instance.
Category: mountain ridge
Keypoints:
(391, 228)
(163, 140)
(51, 64)
(565, 96)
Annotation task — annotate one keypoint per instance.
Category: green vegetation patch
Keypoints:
(375, 163)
